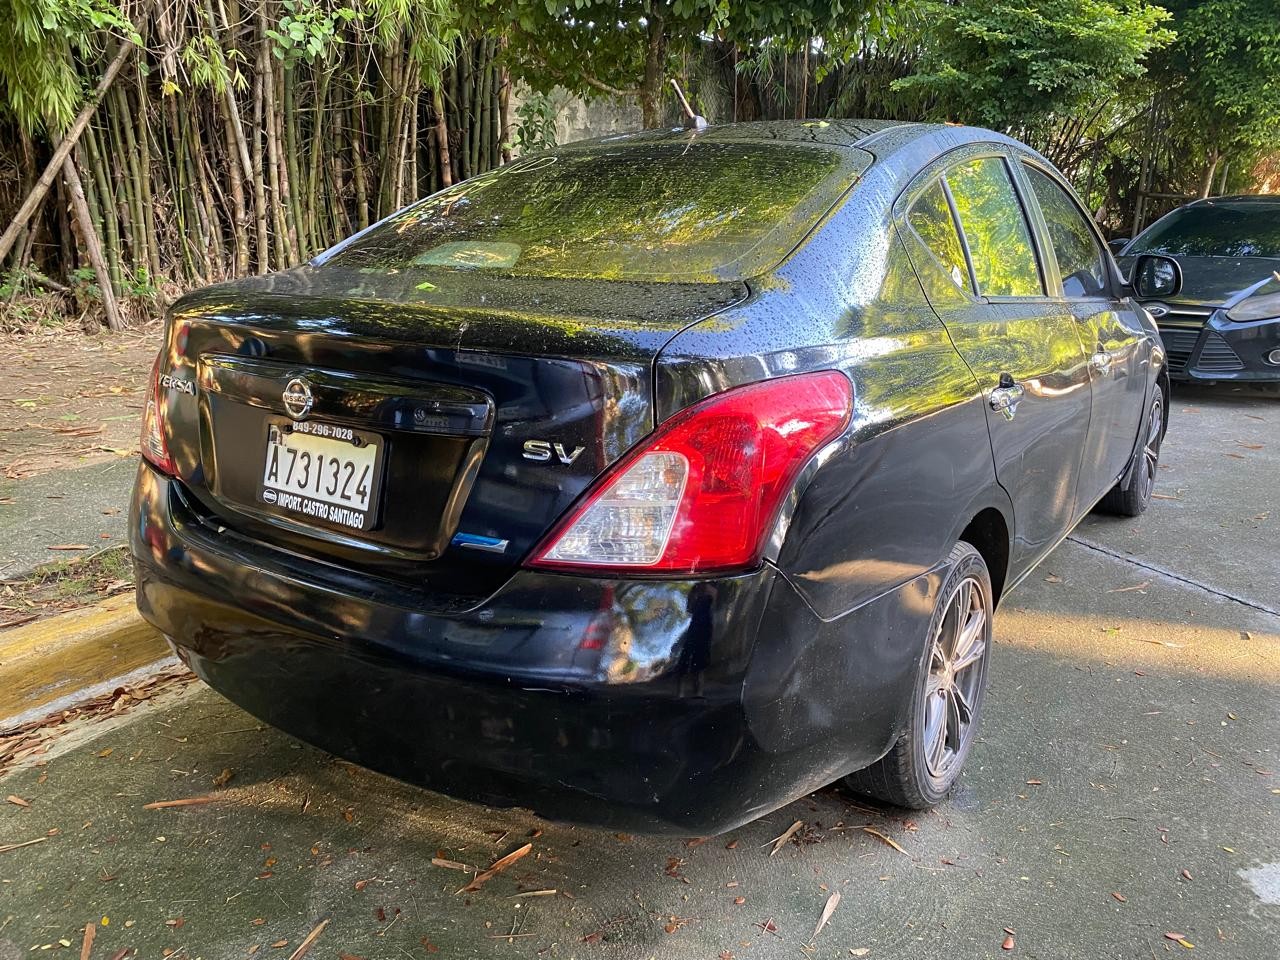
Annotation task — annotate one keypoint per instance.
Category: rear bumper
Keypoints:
(1221, 349)
(647, 705)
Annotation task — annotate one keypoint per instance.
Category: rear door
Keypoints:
(1112, 333)
(1023, 347)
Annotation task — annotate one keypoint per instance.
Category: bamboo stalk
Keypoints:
(145, 186)
(93, 246)
(258, 177)
(442, 137)
(271, 131)
(64, 148)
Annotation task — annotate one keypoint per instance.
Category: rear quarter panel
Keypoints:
(889, 499)
(862, 541)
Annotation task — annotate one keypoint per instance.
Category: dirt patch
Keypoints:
(64, 585)
(68, 399)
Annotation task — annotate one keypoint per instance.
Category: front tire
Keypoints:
(924, 765)
(1131, 497)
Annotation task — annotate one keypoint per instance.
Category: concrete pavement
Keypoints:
(1219, 510)
(1131, 735)
(74, 506)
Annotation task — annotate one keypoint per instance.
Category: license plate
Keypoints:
(322, 472)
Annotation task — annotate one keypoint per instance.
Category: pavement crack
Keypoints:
(1169, 574)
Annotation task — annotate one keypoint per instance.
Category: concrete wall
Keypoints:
(579, 119)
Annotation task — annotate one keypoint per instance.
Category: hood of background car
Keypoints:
(1217, 280)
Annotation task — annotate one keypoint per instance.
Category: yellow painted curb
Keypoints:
(51, 659)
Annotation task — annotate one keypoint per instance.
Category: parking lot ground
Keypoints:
(1218, 509)
(1125, 796)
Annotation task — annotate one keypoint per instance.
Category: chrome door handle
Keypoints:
(1005, 399)
(1101, 361)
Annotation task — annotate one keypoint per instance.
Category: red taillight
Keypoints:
(702, 492)
(154, 446)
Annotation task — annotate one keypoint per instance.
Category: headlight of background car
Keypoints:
(1261, 306)
(1256, 308)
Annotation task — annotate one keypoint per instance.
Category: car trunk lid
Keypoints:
(478, 412)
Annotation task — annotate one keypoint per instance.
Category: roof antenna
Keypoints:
(691, 120)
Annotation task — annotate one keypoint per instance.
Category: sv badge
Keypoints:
(542, 450)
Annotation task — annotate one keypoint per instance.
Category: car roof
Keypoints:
(830, 133)
(1240, 199)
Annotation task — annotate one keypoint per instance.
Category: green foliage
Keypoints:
(1223, 72)
(39, 85)
(536, 123)
(1016, 64)
(308, 30)
(209, 65)
(431, 26)
(629, 47)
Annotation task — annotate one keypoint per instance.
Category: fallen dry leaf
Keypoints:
(497, 867)
(1008, 942)
(449, 864)
(1137, 586)
(311, 938)
(25, 843)
(1186, 874)
(183, 802)
(222, 779)
(86, 946)
(17, 801)
(833, 901)
(779, 841)
(1119, 898)
(889, 840)
(1053, 578)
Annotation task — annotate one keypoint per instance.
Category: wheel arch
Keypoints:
(988, 532)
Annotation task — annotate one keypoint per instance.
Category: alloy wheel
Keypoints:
(1151, 448)
(955, 677)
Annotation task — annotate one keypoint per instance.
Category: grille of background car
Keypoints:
(1180, 330)
(1216, 355)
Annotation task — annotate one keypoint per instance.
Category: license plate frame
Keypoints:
(320, 508)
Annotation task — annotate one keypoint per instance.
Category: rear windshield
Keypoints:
(667, 211)
(1215, 230)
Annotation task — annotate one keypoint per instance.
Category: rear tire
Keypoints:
(1131, 497)
(946, 704)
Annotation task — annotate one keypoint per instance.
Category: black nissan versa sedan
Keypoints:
(657, 480)
(1225, 324)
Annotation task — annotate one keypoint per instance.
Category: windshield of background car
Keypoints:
(666, 211)
(1223, 229)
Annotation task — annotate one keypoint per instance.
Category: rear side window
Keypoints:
(1004, 261)
(1080, 259)
(930, 217)
(670, 210)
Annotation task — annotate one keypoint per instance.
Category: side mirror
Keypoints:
(1156, 277)
(1116, 245)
